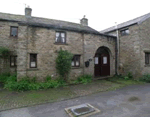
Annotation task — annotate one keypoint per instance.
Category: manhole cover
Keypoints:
(82, 109)
(131, 99)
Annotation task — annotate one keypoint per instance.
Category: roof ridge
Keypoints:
(40, 18)
(129, 21)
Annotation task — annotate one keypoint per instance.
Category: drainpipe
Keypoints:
(83, 51)
(118, 48)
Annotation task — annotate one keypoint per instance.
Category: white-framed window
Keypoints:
(76, 61)
(60, 37)
(125, 32)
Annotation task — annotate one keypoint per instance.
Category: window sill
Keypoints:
(76, 67)
(60, 43)
(13, 37)
(32, 69)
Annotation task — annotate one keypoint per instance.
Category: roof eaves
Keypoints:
(120, 28)
(64, 28)
(145, 18)
(9, 20)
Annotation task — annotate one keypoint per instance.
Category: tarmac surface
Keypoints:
(130, 101)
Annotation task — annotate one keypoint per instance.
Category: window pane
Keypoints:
(16, 61)
(62, 34)
(60, 37)
(33, 64)
(33, 60)
(72, 63)
(12, 61)
(96, 60)
(63, 39)
(127, 32)
(14, 31)
(77, 63)
(146, 58)
(57, 35)
(104, 60)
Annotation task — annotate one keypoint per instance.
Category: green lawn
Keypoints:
(11, 99)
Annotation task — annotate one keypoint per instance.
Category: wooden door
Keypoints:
(102, 65)
(105, 65)
(97, 65)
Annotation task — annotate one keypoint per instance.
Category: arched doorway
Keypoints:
(102, 62)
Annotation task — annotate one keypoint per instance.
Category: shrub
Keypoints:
(4, 51)
(145, 78)
(4, 77)
(48, 78)
(30, 84)
(84, 79)
(129, 76)
(63, 63)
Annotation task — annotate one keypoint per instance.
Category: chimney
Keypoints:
(84, 21)
(28, 12)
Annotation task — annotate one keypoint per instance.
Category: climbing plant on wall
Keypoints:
(4, 52)
(63, 63)
(4, 56)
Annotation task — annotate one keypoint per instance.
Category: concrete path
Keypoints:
(112, 104)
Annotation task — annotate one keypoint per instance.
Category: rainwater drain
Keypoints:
(134, 98)
(81, 110)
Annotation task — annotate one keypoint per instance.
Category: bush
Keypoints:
(30, 84)
(63, 64)
(129, 76)
(145, 78)
(84, 79)
(4, 51)
(48, 78)
(4, 77)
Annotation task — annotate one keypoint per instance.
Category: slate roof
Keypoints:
(48, 23)
(137, 20)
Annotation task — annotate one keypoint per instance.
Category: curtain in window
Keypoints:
(33, 60)
(57, 36)
(63, 37)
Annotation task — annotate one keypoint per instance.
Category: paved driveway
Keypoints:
(112, 104)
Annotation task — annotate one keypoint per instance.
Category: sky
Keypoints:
(101, 14)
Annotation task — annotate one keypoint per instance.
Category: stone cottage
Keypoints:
(134, 45)
(34, 43)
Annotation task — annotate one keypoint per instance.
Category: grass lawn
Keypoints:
(11, 99)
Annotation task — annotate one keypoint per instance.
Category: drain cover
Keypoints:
(81, 109)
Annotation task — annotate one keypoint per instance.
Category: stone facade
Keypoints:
(41, 41)
(133, 47)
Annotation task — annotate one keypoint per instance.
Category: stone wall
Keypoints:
(41, 41)
(9, 42)
(144, 33)
(129, 52)
(92, 43)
